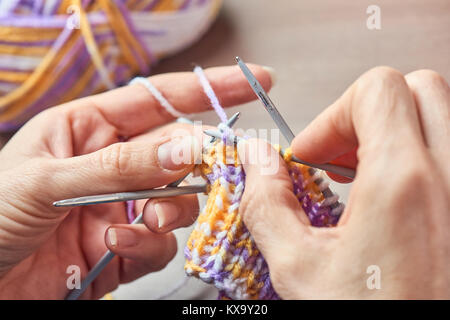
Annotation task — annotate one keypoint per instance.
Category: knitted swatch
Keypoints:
(220, 249)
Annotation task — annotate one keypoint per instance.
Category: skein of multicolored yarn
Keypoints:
(55, 51)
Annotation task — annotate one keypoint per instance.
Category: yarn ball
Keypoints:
(220, 249)
(55, 51)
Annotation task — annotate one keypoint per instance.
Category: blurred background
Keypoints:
(318, 48)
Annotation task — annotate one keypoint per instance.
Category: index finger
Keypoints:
(376, 113)
(134, 110)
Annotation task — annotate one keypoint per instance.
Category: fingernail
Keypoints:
(273, 74)
(122, 238)
(166, 213)
(177, 153)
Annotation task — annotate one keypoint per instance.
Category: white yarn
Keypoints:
(170, 32)
(158, 96)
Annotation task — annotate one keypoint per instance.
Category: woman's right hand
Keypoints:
(395, 130)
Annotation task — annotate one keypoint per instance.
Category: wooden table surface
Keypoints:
(318, 48)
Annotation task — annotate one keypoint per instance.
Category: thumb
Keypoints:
(375, 115)
(127, 166)
(269, 207)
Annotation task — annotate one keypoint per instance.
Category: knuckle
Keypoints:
(416, 171)
(383, 75)
(427, 77)
(39, 170)
(183, 127)
(413, 180)
(116, 159)
(176, 130)
(381, 84)
(37, 181)
(385, 72)
(409, 179)
(49, 116)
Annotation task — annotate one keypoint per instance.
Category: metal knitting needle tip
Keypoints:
(230, 123)
(268, 104)
(218, 135)
(286, 131)
(126, 196)
(346, 172)
(233, 119)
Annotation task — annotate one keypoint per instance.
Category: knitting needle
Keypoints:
(109, 255)
(346, 172)
(136, 195)
(282, 125)
(286, 131)
(268, 104)
(126, 196)
(106, 259)
(230, 122)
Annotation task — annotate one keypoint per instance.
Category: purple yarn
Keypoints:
(145, 69)
(130, 211)
(210, 93)
(319, 216)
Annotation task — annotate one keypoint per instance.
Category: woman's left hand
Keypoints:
(75, 150)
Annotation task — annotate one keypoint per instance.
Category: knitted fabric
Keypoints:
(220, 249)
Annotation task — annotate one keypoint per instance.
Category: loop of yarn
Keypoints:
(210, 93)
(158, 96)
(55, 51)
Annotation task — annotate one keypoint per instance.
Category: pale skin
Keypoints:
(397, 216)
(395, 130)
(74, 150)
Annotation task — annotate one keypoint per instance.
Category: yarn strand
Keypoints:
(220, 249)
(210, 94)
(60, 54)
